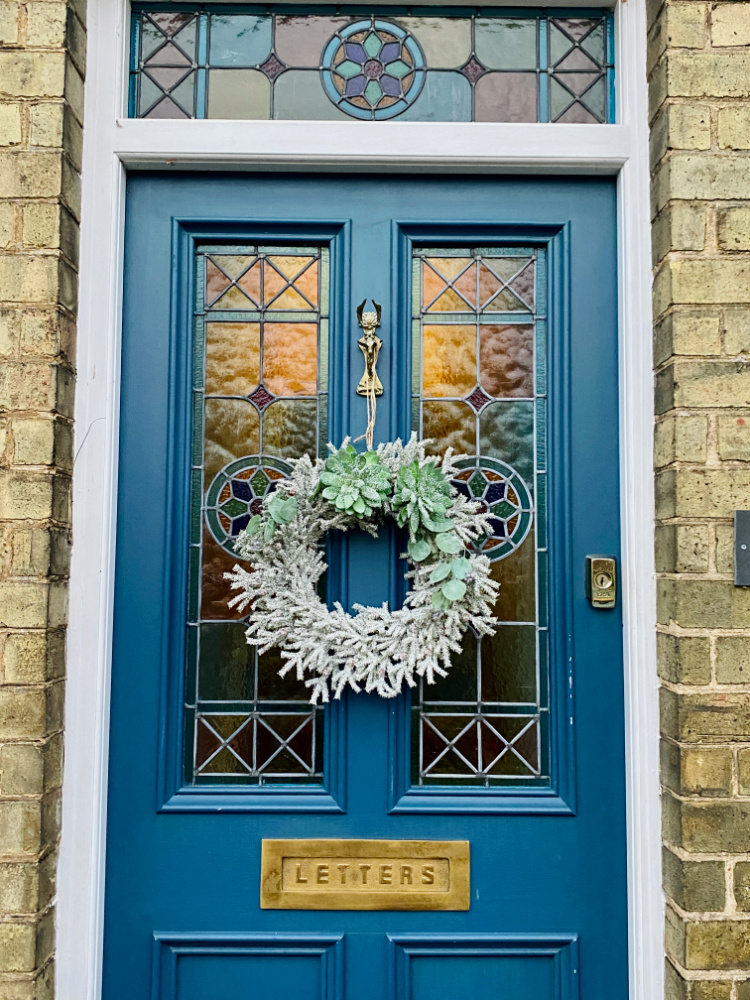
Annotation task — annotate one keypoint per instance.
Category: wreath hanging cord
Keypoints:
(376, 649)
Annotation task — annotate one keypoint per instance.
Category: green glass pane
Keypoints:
(506, 431)
(239, 39)
(348, 69)
(445, 97)
(445, 41)
(559, 44)
(506, 42)
(299, 94)
(226, 664)
(239, 94)
(559, 99)
(509, 665)
(271, 687)
(373, 93)
(372, 45)
(460, 684)
(595, 99)
(398, 69)
(594, 43)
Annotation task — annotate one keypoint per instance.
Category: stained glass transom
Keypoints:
(214, 62)
(260, 397)
(479, 385)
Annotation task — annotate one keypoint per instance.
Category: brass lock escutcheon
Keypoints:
(601, 581)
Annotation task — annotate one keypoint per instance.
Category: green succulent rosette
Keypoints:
(355, 482)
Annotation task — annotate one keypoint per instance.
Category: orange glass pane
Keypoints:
(459, 295)
(231, 431)
(216, 281)
(280, 277)
(450, 424)
(250, 284)
(449, 365)
(215, 590)
(232, 264)
(307, 283)
(290, 358)
(506, 360)
(234, 298)
(232, 358)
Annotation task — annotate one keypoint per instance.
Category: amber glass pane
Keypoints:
(516, 574)
(232, 358)
(232, 429)
(451, 425)
(290, 358)
(214, 593)
(450, 360)
(289, 428)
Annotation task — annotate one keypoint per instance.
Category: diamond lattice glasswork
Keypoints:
(373, 69)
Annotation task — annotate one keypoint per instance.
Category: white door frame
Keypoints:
(112, 144)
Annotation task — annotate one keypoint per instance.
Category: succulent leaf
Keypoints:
(358, 484)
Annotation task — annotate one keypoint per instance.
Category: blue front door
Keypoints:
(239, 353)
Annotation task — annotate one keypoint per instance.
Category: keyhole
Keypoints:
(603, 581)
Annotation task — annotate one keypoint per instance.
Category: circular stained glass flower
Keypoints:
(373, 69)
(502, 492)
(237, 492)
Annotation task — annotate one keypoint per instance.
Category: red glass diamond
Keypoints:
(473, 69)
(261, 397)
(272, 67)
(478, 399)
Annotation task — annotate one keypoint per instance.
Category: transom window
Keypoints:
(212, 62)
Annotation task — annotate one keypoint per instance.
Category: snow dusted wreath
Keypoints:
(377, 648)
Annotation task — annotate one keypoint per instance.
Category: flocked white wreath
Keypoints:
(378, 649)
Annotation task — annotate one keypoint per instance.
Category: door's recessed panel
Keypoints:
(514, 968)
(268, 967)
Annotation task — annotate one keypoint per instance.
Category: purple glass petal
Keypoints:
(355, 52)
(391, 86)
(389, 52)
(355, 86)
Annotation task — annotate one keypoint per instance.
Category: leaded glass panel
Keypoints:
(260, 372)
(479, 386)
(214, 62)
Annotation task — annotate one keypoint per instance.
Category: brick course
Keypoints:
(699, 78)
(42, 51)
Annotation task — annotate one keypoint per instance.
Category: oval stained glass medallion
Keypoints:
(237, 492)
(502, 492)
(373, 69)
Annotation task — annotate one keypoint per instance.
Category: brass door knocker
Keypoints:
(370, 344)
(369, 385)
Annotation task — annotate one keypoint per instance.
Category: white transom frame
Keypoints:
(112, 145)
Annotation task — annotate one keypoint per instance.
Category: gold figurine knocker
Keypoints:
(369, 385)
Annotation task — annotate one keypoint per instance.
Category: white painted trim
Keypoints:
(111, 143)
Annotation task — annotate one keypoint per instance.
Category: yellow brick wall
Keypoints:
(42, 51)
(699, 78)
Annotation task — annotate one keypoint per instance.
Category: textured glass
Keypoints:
(479, 386)
(260, 63)
(259, 398)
